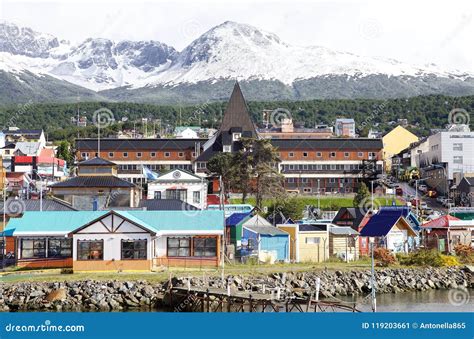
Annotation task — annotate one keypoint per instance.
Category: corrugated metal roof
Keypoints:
(329, 144)
(137, 144)
(441, 222)
(236, 218)
(342, 230)
(49, 222)
(266, 230)
(180, 220)
(166, 205)
(96, 162)
(58, 222)
(93, 181)
(35, 205)
(312, 227)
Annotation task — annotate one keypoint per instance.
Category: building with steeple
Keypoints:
(236, 124)
(309, 165)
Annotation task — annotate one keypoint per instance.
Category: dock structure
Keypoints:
(207, 299)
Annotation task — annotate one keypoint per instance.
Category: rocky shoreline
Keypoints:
(91, 295)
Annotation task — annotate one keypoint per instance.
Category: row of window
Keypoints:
(155, 167)
(130, 249)
(94, 249)
(314, 180)
(320, 167)
(137, 154)
(371, 155)
(328, 190)
(191, 247)
(46, 248)
(180, 194)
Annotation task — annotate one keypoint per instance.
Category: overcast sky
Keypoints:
(418, 32)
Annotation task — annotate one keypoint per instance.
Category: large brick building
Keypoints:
(336, 164)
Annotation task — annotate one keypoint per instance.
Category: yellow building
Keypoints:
(308, 242)
(394, 142)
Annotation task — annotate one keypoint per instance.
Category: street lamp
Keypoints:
(41, 190)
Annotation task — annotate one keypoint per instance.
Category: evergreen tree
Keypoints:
(362, 195)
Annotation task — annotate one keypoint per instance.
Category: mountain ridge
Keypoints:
(152, 71)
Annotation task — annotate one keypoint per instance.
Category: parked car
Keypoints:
(422, 188)
(440, 199)
(447, 202)
(427, 211)
(399, 191)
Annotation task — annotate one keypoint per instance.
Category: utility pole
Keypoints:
(374, 298)
(416, 197)
(4, 242)
(222, 207)
(372, 195)
(319, 197)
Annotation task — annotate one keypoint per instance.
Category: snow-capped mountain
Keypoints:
(24, 41)
(273, 69)
(237, 51)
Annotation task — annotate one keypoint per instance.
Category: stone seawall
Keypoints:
(91, 295)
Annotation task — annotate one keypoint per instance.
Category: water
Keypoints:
(456, 300)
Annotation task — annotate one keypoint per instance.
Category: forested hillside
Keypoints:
(423, 113)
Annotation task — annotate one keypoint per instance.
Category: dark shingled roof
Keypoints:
(237, 114)
(93, 181)
(34, 205)
(96, 162)
(137, 144)
(312, 227)
(357, 215)
(236, 119)
(329, 143)
(36, 132)
(166, 205)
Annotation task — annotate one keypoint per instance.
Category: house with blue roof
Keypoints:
(233, 227)
(116, 240)
(391, 228)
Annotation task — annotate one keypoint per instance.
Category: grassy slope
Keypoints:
(327, 203)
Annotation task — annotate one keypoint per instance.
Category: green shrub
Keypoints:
(421, 258)
(449, 260)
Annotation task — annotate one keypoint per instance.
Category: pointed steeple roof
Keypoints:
(237, 113)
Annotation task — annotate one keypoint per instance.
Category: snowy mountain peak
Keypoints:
(228, 51)
(19, 40)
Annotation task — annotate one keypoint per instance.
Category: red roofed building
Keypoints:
(445, 232)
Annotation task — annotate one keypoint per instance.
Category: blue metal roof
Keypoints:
(64, 222)
(379, 225)
(236, 218)
(403, 211)
(60, 222)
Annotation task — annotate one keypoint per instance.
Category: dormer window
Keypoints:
(236, 136)
(227, 149)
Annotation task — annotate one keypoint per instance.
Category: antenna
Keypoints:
(98, 140)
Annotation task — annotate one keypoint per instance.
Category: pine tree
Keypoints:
(362, 195)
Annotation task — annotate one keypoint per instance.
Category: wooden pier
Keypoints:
(199, 299)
